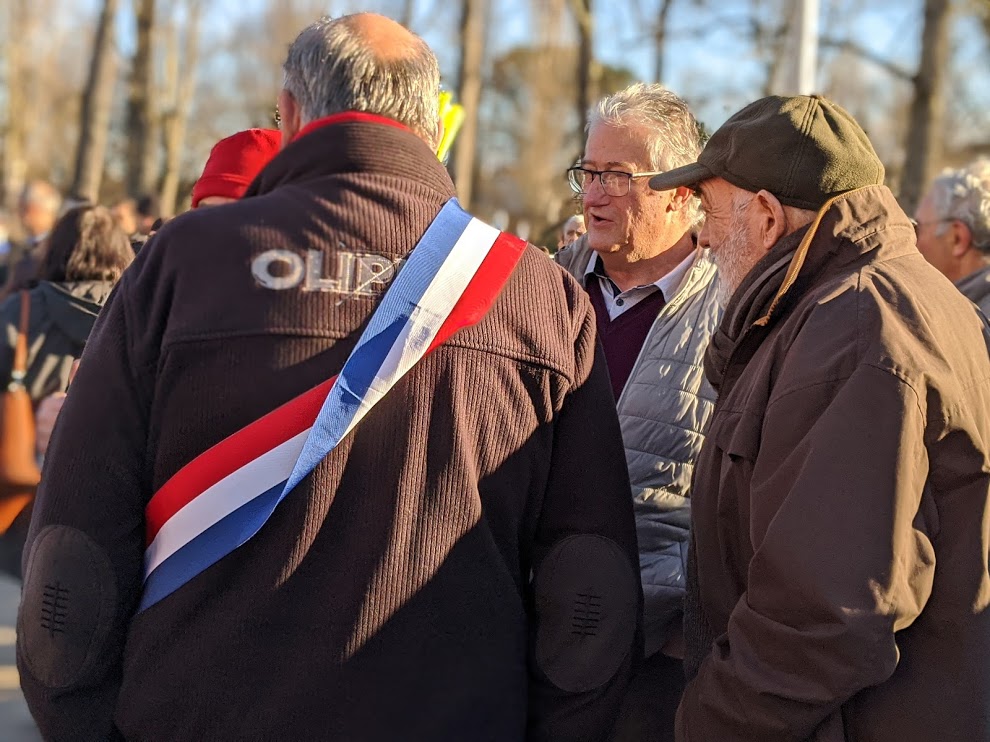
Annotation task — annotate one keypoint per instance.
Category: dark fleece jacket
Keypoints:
(424, 581)
(61, 318)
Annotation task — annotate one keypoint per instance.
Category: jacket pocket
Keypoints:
(736, 433)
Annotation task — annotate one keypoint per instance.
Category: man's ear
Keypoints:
(960, 237)
(772, 221)
(290, 113)
(680, 198)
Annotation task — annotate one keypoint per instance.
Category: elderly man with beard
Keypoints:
(838, 583)
(655, 297)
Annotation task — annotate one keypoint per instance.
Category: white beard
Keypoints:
(734, 259)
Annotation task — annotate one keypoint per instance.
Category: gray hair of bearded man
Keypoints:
(964, 195)
(330, 69)
(677, 137)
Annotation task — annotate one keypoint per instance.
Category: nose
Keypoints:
(703, 236)
(594, 194)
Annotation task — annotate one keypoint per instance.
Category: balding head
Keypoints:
(383, 37)
(362, 62)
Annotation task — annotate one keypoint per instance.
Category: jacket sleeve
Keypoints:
(585, 592)
(84, 550)
(842, 561)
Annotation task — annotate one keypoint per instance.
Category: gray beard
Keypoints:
(734, 259)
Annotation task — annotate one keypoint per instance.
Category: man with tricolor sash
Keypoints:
(340, 462)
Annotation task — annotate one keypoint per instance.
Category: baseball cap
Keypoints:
(803, 149)
(234, 162)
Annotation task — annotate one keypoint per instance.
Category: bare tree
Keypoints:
(407, 13)
(657, 20)
(587, 79)
(472, 35)
(141, 141)
(925, 130)
(181, 85)
(15, 122)
(97, 101)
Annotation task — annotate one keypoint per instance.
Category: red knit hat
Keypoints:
(234, 162)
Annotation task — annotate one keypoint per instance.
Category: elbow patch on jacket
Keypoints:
(586, 602)
(67, 607)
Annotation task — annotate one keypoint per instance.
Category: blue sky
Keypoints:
(889, 28)
(709, 59)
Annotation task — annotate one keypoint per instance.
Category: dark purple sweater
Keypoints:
(623, 337)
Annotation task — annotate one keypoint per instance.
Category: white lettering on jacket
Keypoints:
(352, 273)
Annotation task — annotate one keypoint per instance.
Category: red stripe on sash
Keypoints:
(478, 296)
(231, 454)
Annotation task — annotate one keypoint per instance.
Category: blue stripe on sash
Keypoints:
(209, 546)
(386, 324)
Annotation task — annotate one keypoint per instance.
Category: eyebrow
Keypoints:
(610, 164)
(701, 196)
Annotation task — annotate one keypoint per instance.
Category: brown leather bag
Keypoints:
(19, 473)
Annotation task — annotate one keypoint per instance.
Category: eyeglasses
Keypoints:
(615, 183)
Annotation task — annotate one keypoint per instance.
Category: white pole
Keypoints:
(807, 36)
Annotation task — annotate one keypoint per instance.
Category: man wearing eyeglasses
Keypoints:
(655, 296)
(953, 228)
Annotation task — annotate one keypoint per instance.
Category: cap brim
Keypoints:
(688, 175)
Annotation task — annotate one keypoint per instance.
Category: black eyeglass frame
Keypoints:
(918, 225)
(614, 177)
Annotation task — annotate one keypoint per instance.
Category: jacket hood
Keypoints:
(73, 306)
(354, 143)
(846, 228)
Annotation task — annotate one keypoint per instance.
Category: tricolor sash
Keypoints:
(222, 498)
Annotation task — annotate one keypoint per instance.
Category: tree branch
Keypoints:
(862, 52)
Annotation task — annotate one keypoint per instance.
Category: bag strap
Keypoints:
(19, 371)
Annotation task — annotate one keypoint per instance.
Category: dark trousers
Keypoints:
(648, 710)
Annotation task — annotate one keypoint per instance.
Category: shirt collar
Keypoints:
(667, 284)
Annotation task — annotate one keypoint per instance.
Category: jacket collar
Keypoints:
(698, 275)
(860, 224)
(976, 285)
(351, 143)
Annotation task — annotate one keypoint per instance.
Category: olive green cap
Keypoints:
(804, 150)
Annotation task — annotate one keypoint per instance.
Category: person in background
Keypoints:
(655, 297)
(87, 254)
(952, 223)
(125, 214)
(838, 587)
(233, 163)
(37, 210)
(570, 230)
(148, 210)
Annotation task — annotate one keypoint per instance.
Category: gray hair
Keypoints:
(41, 193)
(964, 195)
(330, 69)
(676, 138)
